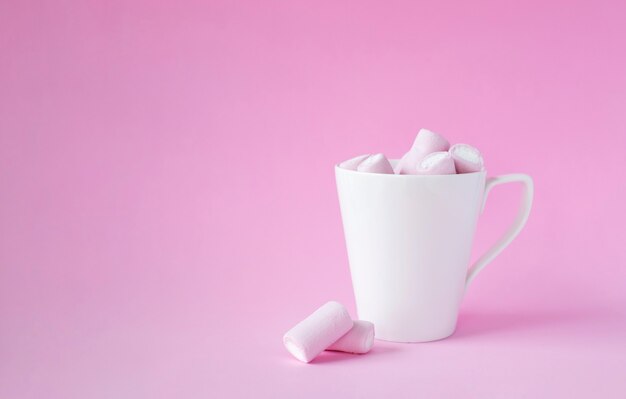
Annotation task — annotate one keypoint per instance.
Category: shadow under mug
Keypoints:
(409, 241)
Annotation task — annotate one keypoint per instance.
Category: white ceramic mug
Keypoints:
(409, 241)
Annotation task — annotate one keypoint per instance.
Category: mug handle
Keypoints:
(516, 227)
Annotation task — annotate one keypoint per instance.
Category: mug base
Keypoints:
(414, 340)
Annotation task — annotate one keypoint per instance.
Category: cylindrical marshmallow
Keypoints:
(353, 163)
(467, 159)
(407, 165)
(429, 141)
(376, 163)
(426, 142)
(359, 339)
(437, 163)
(318, 331)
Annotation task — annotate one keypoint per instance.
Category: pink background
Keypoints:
(168, 207)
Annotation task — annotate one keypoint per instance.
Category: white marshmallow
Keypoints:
(437, 163)
(467, 159)
(429, 141)
(407, 165)
(317, 332)
(426, 142)
(359, 339)
(353, 163)
(376, 163)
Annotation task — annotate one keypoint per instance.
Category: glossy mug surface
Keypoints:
(409, 241)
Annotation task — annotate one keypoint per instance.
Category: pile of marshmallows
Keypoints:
(329, 328)
(431, 154)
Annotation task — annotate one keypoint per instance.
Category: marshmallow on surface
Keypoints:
(317, 332)
(359, 339)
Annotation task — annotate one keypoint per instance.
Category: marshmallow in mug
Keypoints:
(430, 154)
(376, 163)
(353, 163)
(436, 163)
(467, 159)
(426, 142)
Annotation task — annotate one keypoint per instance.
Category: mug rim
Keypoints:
(393, 163)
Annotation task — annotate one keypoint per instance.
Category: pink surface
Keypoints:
(168, 205)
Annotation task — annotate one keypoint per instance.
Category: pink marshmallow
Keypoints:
(437, 163)
(409, 161)
(317, 332)
(376, 163)
(426, 142)
(467, 159)
(353, 163)
(358, 340)
(429, 141)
